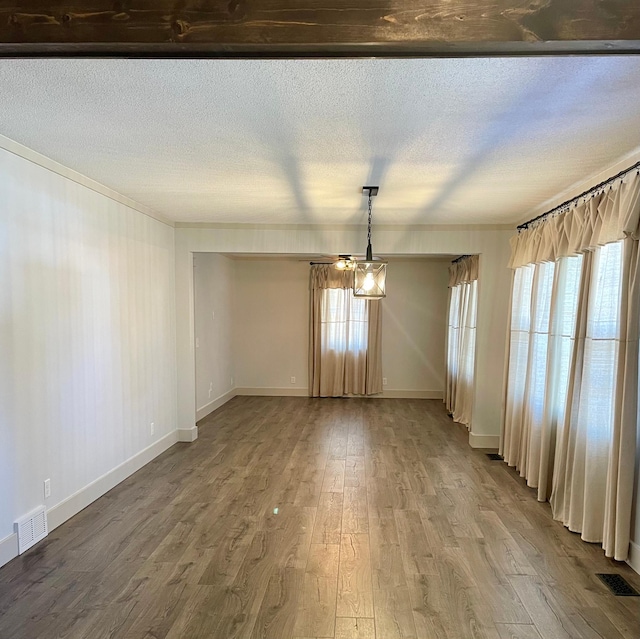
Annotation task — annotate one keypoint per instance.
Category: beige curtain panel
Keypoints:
(608, 217)
(345, 337)
(461, 339)
(465, 270)
(571, 411)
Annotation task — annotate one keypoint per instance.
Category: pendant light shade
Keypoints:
(369, 279)
(369, 275)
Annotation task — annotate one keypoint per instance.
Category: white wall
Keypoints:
(213, 282)
(87, 341)
(271, 324)
(634, 551)
(414, 320)
(492, 245)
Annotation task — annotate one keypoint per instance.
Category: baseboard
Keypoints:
(411, 394)
(303, 392)
(484, 441)
(634, 556)
(72, 505)
(201, 413)
(273, 392)
(187, 434)
(8, 549)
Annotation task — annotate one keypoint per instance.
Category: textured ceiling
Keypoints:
(292, 141)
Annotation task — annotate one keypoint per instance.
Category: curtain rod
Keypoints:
(591, 191)
(458, 259)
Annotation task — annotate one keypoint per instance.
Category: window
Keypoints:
(543, 323)
(596, 409)
(344, 320)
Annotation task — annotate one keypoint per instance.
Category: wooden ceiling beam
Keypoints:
(317, 28)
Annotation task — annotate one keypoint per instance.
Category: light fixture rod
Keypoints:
(370, 191)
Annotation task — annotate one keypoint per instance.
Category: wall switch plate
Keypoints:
(153, 428)
(384, 381)
(293, 380)
(47, 488)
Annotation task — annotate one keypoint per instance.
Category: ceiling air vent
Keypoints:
(31, 528)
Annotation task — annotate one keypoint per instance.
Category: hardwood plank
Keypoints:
(307, 494)
(461, 600)
(195, 619)
(549, 618)
(431, 615)
(355, 628)
(334, 476)
(437, 528)
(417, 555)
(238, 606)
(277, 614)
(355, 442)
(339, 440)
(517, 631)
(355, 517)
(379, 498)
(489, 586)
(355, 592)
(317, 605)
(393, 613)
(229, 554)
(193, 546)
(355, 471)
(328, 525)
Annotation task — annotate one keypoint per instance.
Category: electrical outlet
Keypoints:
(47, 488)
(153, 428)
(232, 382)
(293, 380)
(213, 315)
(210, 389)
(384, 381)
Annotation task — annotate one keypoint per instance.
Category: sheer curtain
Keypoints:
(345, 347)
(461, 338)
(572, 384)
(544, 304)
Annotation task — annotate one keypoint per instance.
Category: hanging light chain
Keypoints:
(369, 226)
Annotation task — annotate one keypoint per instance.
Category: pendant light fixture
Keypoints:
(369, 275)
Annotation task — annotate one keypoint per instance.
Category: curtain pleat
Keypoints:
(373, 383)
(464, 270)
(609, 216)
(618, 504)
(571, 401)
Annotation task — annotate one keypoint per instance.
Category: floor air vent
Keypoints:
(494, 456)
(31, 528)
(618, 585)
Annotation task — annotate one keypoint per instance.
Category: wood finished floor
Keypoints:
(388, 525)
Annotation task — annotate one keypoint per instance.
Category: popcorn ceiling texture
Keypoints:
(292, 141)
